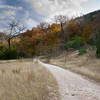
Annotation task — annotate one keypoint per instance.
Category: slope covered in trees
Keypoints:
(47, 39)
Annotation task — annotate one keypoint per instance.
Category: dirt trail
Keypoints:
(73, 86)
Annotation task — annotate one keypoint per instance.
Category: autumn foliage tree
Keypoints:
(87, 31)
(61, 20)
(29, 41)
(72, 29)
(40, 40)
(52, 38)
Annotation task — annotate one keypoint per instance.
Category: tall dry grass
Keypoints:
(26, 81)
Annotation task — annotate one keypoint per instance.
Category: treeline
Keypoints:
(41, 40)
(50, 39)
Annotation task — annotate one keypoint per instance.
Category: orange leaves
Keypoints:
(55, 28)
(87, 31)
(53, 34)
(41, 39)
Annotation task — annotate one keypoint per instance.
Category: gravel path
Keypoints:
(73, 86)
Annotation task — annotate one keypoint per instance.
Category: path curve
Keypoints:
(73, 86)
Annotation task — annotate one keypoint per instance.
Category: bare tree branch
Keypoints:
(15, 29)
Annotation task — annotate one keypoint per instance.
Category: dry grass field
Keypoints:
(87, 64)
(25, 80)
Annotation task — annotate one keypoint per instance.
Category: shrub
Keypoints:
(97, 43)
(82, 51)
(21, 55)
(6, 53)
(76, 42)
(92, 42)
(98, 52)
(11, 53)
(3, 50)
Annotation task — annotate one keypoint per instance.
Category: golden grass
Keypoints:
(26, 81)
(86, 65)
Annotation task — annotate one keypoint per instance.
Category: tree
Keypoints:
(87, 31)
(74, 28)
(43, 25)
(30, 40)
(41, 40)
(3, 37)
(48, 39)
(75, 43)
(15, 29)
(61, 20)
(97, 43)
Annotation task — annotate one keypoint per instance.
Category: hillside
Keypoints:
(51, 39)
(79, 24)
(92, 18)
(87, 65)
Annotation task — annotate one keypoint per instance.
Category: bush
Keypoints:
(97, 44)
(11, 53)
(6, 53)
(92, 42)
(3, 50)
(82, 51)
(21, 55)
(76, 42)
(98, 52)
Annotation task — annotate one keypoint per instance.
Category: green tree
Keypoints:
(75, 43)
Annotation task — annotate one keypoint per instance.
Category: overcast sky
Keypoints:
(32, 12)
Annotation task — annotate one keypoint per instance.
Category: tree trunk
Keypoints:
(9, 43)
(62, 31)
(63, 40)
